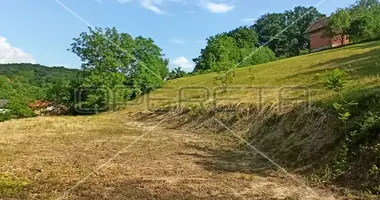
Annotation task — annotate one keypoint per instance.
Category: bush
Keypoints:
(259, 56)
(176, 73)
(335, 80)
(4, 116)
(19, 109)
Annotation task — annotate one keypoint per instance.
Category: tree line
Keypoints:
(273, 35)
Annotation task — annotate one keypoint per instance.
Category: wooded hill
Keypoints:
(23, 83)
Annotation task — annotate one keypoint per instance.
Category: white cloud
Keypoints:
(153, 5)
(182, 62)
(217, 7)
(177, 41)
(157, 6)
(9, 54)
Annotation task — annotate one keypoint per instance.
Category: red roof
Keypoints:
(319, 24)
(38, 104)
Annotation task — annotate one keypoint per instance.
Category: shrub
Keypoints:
(4, 116)
(259, 56)
(19, 109)
(335, 80)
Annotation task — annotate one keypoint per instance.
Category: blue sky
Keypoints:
(41, 31)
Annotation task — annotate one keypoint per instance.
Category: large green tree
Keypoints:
(117, 66)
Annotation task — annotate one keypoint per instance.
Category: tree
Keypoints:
(270, 30)
(242, 42)
(285, 33)
(117, 67)
(244, 37)
(60, 92)
(362, 28)
(258, 56)
(339, 25)
(365, 24)
(176, 73)
(225, 58)
(298, 21)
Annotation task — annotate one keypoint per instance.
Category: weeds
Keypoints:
(10, 184)
(360, 147)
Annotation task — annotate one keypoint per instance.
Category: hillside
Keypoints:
(36, 74)
(361, 62)
(196, 151)
(28, 81)
(21, 84)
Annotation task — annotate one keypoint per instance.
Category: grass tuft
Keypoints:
(11, 184)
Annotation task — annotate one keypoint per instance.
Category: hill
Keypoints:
(35, 74)
(360, 61)
(285, 109)
(23, 83)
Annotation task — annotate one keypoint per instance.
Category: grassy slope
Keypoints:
(361, 62)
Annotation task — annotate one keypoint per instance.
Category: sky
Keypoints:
(41, 31)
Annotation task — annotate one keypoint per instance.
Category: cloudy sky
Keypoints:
(41, 31)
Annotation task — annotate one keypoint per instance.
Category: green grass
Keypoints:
(361, 62)
(10, 184)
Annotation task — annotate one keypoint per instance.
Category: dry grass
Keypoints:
(53, 153)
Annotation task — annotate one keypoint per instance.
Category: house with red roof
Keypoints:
(319, 39)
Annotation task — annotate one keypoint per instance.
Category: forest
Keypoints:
(125, 67)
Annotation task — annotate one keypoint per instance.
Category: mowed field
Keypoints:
(113, 156)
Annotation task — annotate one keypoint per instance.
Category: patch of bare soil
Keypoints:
(108, 157)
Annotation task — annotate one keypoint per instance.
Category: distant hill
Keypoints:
(29, 81)
(36, 74)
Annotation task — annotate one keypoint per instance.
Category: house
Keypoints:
(320, 40)
(47, 108)
(3, 103)
(38, 106)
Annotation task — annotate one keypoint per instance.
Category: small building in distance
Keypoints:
(320, 40)
(47, 108)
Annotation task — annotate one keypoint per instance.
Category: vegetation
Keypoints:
(338, 134)
(10, 185)
(347, 98)
(339, 24)
(24, 83)
(46, 136)
(232, 49)
(176, 73)
(296, 71)
(361, 21)
(285, 33)
(116, 67)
